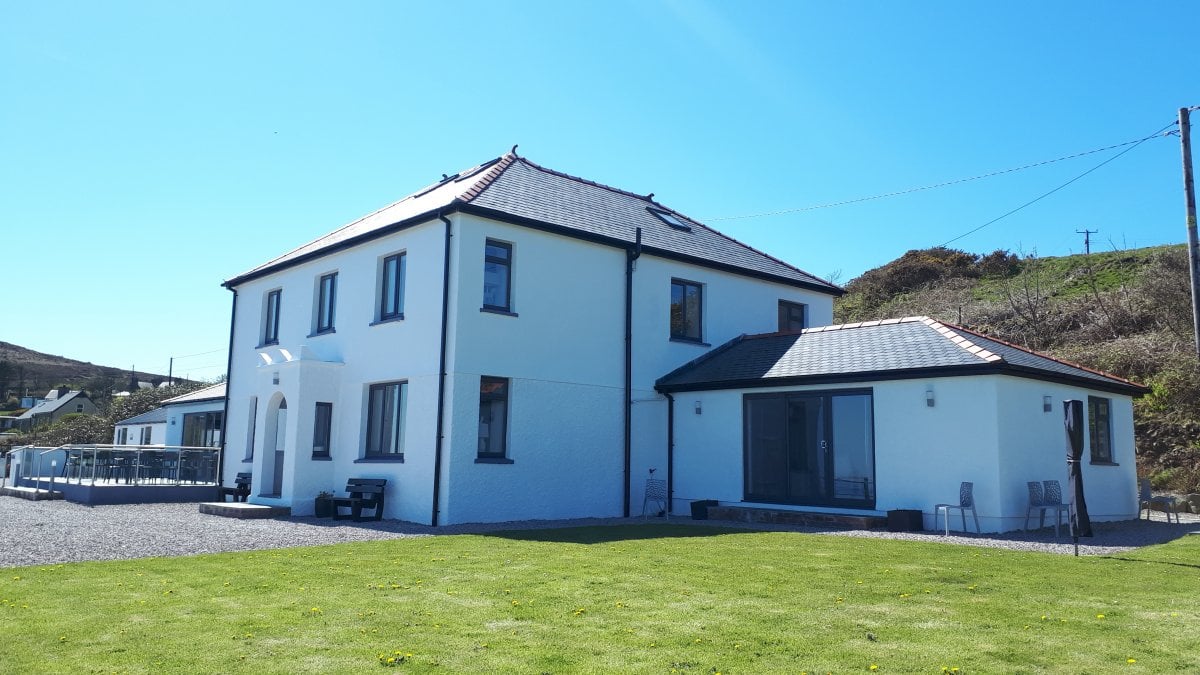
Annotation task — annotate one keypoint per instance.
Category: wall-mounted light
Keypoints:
(929, 397)
(275, 377)
(699, 409)
(1047, 406)
(172, 421)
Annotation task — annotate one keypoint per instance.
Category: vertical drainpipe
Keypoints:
(441, 402)
(670, 452)
(631, 255)
(228, 378)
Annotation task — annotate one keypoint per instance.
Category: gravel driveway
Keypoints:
(39, 533)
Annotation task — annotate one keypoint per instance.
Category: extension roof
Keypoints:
(892, 349)
(156, 416)
(215, 392)
(515, 190)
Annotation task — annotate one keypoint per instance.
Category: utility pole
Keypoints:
(1189, 196)
(1087, 241)
(171, 372)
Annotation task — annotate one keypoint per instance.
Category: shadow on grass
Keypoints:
(604, 534)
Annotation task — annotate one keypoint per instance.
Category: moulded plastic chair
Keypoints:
(656, 492)
(966, 502)
(1054, 501)
(1147, 500)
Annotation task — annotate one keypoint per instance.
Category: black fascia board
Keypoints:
(418, 219)
(998, 368)
(653, 250)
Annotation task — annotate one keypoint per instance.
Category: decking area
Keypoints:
(113, 474)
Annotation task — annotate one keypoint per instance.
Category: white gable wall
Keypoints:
(133, 433)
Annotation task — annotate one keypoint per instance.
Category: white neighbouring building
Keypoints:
(516, 343)
(468, 344)
(194, 419)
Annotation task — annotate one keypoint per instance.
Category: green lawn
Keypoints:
(653, 598)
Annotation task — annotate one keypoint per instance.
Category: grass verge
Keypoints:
(654, 598)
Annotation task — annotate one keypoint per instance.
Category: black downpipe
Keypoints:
(228, 377)
(670, 452)
(441, 403)
(631, 255)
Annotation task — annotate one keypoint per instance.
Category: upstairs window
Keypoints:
(1100, 429)
(391, 287)
(493, 417)
(271, 318)
(497, 276)
(687, 301)
(791, 316)
(326, 302)
(322, 424)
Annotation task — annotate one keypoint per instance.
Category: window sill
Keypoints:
(247, 460)
(687, 341)
(390, 319)
(322, 458)
(497, 310)
(268, 344)
(1096, 463)
(493, 460)
(395, 459)
(327, 331)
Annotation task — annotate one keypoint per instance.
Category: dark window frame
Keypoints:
(396, 435)
(1100, 429)
(322, 428)
(684, 284)
(507, 263)
(253, 428)
(209, 426)
(271, 317)
(786, 307)
(488, 399)
(326, 303)
(147, 435)
(391, 297)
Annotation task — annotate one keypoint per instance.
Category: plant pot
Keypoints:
(700, 508)
(323, 507)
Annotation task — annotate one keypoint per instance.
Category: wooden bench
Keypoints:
(240, 490)
(365, 493)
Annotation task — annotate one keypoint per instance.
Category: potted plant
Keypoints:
(324, 504)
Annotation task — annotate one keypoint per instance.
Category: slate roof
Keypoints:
(49, 406)
(156, 416)
(912, 347)
(215, 392)
(514, 189)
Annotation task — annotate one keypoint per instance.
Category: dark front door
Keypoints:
(810, 448)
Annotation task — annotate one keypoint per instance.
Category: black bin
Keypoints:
(700, 508)
(905, 520)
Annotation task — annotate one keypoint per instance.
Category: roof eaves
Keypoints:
(981, 368)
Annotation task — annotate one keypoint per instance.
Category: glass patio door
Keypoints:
(810, 448)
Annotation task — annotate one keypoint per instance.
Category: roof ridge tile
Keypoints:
(945, 330)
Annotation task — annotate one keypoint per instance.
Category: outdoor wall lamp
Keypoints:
(699, 410)
(1047, 406)
(275, 377)
(929, 397)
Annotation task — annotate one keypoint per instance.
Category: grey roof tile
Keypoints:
(158, 415)
(874, 349)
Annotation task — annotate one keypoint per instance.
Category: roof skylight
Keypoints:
(670, 219)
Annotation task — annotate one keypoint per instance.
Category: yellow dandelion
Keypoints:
(873, 667)
(1130, 661)
(1099, 616)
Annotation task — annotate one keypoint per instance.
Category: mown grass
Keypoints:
(654, 598)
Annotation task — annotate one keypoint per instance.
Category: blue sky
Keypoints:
(148, 151)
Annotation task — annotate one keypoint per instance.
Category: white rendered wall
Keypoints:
(133, 434)
(173, 430)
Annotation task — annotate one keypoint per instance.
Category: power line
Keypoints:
(898, 193)
(1047, 194)
(187, 356)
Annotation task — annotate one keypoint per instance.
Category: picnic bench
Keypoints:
(365, 493)
(240, 490)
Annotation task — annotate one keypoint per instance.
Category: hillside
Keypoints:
(1126, 312)
(22, 368)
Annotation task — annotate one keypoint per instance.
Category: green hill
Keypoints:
(1126, 312)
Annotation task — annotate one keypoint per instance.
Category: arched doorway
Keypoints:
(273, 455)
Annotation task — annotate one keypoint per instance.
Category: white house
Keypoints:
(489, 345)
(194, 419)
(883, 415)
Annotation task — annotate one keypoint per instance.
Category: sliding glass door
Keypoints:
(810, 448)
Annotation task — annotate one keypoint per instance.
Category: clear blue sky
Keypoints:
(149, 151)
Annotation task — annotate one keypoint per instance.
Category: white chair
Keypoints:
(966, 502)
(1147, 500)
(656, 491)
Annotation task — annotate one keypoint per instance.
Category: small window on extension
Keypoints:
(670, 219)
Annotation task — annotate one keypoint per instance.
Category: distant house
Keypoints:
(894, 414)
(57, 404)
(195, 419)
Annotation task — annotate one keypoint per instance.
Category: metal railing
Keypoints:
(133, 465)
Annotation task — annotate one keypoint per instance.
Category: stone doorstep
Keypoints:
(29, 493)
(244, 510)
(787, 517)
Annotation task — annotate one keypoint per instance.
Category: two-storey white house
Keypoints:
(490, 345)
